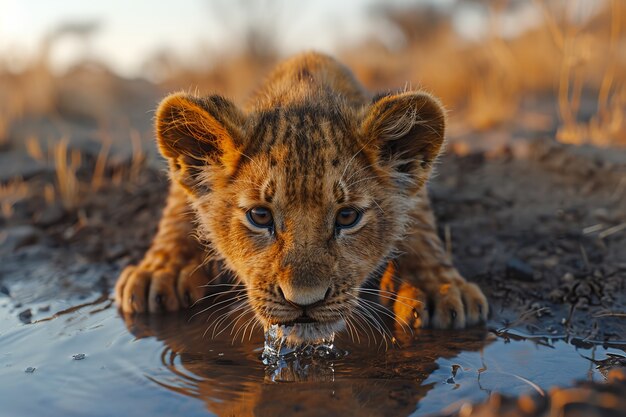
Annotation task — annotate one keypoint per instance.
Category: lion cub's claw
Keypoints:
(142, 289)
(476, 305)
(449, 306)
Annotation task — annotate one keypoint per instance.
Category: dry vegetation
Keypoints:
(570, 61)
(565, 77)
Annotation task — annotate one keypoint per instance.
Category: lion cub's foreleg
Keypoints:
(171, 275)
(430, 291)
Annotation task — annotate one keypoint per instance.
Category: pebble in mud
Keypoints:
(79, 356)
(29, 370)
(26, 316)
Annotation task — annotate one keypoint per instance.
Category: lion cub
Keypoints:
(302, 198)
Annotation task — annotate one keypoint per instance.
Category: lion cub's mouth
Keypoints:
(307, 330)
(299, 320)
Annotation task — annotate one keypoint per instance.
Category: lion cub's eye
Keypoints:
(260, 217)
(347, 218)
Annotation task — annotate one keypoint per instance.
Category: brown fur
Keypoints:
(312, 142)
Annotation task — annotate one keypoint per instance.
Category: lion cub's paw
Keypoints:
(458, 305)
(154, 288)
(447, 306)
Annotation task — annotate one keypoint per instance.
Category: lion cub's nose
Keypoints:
(304, 297)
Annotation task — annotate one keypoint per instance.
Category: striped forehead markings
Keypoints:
(268, 190)
(340, 192)
(283, 126)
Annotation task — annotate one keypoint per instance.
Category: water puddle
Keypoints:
(87, 357)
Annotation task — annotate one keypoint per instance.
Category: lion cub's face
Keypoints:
(304, 204)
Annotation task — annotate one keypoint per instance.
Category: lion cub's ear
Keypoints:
(407, 130)
(196, 134)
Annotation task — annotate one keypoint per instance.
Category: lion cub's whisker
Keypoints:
(384, 310)
(221, 285)
(369, 319)
(217, 294)
(227, 313)
(243, 309)
(230, 301)
(388, 294)
(396, 299)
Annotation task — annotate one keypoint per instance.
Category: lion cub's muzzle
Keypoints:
(304, 302)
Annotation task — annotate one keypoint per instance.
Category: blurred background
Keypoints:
(79, 80)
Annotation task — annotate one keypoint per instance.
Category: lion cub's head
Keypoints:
(303, 202)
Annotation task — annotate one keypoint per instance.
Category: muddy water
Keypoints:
(82, 358)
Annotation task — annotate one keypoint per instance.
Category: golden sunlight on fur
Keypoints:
(301, 198)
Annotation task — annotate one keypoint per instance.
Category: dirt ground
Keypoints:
(541, 228)
(539, 225)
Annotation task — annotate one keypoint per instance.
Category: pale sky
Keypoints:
(131, 30)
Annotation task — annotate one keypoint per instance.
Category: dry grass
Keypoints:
(578, 46)
(98, 177)
(33, 148)
(4, 134)
(487, 84)
(138, 159)
(562, 60)
(12, 193)
(68, 185)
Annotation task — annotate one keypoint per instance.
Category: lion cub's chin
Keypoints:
(308, 333)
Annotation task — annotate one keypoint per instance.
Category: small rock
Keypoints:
(556, 295)
(79, 356)
(518, 269)
(583, 290)
(551, 262)
(29, 370)
(26, 316)
(44, 309)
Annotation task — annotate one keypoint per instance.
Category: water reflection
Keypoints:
(231, 379)
(169, 365)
